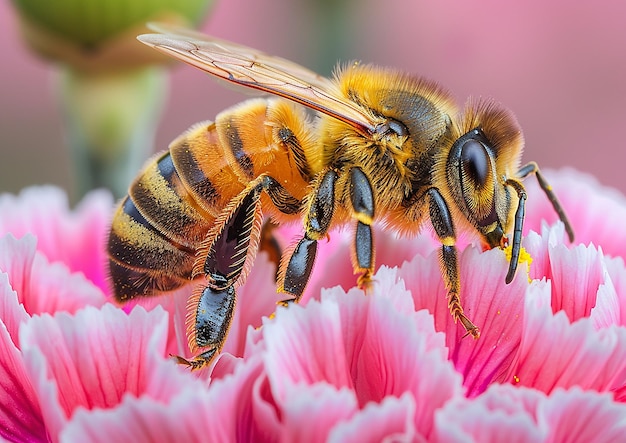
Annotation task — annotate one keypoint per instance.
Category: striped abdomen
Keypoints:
(170, 207)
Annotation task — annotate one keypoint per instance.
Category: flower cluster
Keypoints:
(550, 364)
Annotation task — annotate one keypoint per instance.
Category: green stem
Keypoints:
(111, 123)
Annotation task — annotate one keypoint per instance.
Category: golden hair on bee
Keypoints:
(501, 128)
(385, 147)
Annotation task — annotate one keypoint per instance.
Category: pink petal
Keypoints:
(224, 412)
(185, 416)
(92, 359)
(76, 238)
(16, 260)
(364, 344)
(310, 412)
(389, 285)
(617, 275)
(581, 277)
(596, 212)
(41, 286)
(175, 304)
(296, 341)
(577, 274)
(391, 420)
(138, 420)
(16, 257)
(333, 265)
(588, 416)
(20, 414)
(502, 413)
(55, 288)
(556, 353)
(608, 309)
(496, 308)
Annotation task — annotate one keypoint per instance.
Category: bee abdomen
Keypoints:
(162, 199)
(172, 206)
(142, 260)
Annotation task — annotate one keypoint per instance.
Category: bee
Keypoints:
(370, 145)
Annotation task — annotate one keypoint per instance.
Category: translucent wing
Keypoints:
(247, 67)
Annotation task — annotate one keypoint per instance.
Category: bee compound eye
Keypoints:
(475, 163)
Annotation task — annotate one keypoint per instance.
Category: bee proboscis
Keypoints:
(382, 147)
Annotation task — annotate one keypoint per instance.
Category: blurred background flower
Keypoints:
(110, 88)
(559, 66)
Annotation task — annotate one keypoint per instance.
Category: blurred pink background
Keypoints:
(560, 66)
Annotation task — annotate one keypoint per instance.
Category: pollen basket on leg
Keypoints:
(209, 314)
(232, 243)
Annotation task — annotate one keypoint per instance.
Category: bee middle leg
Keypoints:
(297, 265)
(362, 199)
(444, 228)
(296, 269)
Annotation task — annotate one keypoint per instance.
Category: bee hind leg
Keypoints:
(210, 321)
(224, 261)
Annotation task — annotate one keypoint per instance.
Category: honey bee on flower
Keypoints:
(383, 147)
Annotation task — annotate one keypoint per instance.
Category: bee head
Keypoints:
(481, 160)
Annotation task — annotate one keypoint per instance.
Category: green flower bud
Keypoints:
(96, 35)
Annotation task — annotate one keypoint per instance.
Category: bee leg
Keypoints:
(444, 228)
(285, 203)
(296, 268)
(269, 244)
(533, 168)
(362, 199)
(516, 246)
(224, 260)
(211, 320)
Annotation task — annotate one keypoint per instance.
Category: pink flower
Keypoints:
(74, 238)
(550, 363)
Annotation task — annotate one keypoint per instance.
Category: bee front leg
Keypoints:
(297, 266)
(444, 228)
(362, 199)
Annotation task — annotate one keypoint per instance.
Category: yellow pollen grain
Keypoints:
(524, 257)
(516, 379)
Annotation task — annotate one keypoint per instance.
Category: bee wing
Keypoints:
(245, 66)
